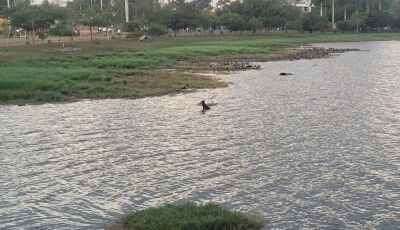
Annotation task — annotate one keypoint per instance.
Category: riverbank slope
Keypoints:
(132, 69)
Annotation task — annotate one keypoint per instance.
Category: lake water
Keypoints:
(318, 149)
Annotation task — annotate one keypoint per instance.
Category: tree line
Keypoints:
(150, 17)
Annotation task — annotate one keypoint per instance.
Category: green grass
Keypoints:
(128, 68)
(187, 216)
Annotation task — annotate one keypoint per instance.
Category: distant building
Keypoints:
(304, 5)
(165, 2)
(56, 2)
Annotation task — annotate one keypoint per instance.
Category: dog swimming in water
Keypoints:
(205, 106)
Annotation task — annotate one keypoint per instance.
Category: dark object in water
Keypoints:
(186, 86)
(285, 74)
(205, 106)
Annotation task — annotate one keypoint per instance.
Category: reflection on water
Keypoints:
(320, 149)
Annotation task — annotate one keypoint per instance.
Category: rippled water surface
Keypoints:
(320, 148)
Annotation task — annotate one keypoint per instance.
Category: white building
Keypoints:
(304, 5)
(164, 2)
(56, 2)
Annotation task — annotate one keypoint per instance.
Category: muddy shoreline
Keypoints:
(200, 74)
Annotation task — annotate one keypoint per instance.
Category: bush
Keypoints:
(379, 19)
(313, 22)
(345, 26)
(397, 23)
(295, 25)
(233, 21)
(157, 29)
(132, 26)
(358, 21)
(255, 24)
(135, 34)
(60, 29)
(275, 22)
(187, 217)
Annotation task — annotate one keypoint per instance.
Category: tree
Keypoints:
(379, 19)
(180, 14)
(313, 22)
(92, 19)
(272, 13)
(358, 20)
(395, 9)
(36, 18)
(255, 24)
(4, 23)
(157, 29)
(233, 22)
(210, 19)
(61, 29)
(345, 25)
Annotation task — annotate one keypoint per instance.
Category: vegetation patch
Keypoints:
(130, 69)
(187, 216)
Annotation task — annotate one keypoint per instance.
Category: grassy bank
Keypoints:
(187, 217)
(130, 69)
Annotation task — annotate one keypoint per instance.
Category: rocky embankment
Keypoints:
(247, 63)
(234, 65)
(308, 53)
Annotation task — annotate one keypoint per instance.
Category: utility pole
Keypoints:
(321, 13)
(126, 11)
(333, 15)
(134, 9)
(101, 5)
(154, 7)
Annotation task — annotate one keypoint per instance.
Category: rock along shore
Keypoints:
(246, 63)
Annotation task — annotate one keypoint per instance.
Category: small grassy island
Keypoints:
(128, 68)
(187, 216)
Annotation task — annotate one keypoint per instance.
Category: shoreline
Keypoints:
(170, 75)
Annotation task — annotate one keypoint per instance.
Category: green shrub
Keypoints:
(313, 22)
(132, 26)
(295, 25)
(255, 24)
(60, 30)
(135, 34)
(187, 216)
(157, 29)
(345, 26)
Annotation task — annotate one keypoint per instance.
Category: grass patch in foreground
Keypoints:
(187, 216)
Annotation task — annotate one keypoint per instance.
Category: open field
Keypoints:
(131, 69)
(187, 217)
